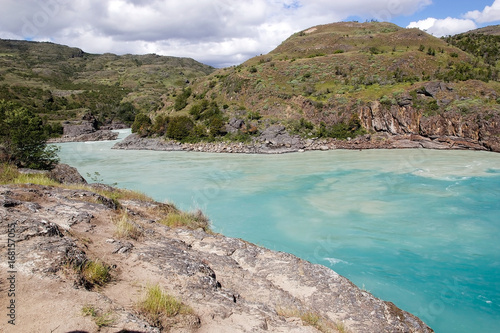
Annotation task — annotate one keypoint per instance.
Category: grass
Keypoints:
(312, 319)
(126, 228)
(101, 320)
(9, 174)
(95, 273)
(158, 304)
(186, 220)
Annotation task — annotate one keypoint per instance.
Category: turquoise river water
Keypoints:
(420, 228)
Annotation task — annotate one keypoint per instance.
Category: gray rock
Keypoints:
(66, 174)
(235, 125)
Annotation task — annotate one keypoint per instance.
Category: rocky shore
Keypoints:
(277, 141)
(99, 135)
(87, 129)
(230, 285)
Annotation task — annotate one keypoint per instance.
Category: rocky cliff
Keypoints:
(457, 125)
(230, 285)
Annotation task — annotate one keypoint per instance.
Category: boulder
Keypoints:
(235, 125)
(66, 174)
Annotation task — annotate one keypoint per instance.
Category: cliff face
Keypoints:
(467, 129)
(231, 285)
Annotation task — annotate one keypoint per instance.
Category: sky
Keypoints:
(220, 33)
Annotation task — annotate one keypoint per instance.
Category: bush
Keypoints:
(142, 125)
(181, 100)
(23, 139)
(350, 129)
(179, 128)
(254, 115)
(160, 124)
(126, 112)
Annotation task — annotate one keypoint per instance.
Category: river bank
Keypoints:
(283, 143)
(228, 284)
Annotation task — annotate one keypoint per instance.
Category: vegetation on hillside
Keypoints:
(317, 80)
(23, 137)
(60, 83)
(314, 83)
(484, 44)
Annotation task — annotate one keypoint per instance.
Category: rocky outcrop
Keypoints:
(99, 135)
(85, 130)
(465, 130)
(66, 174)
(134, 141)
(231, 285)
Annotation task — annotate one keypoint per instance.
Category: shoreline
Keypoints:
(217, 276)
(99, 135)
(297, 145)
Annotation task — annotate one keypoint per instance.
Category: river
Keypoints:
(420, 228)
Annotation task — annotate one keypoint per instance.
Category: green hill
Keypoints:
(61, 83)
(483, 43)
(318, 81)
(337, 80)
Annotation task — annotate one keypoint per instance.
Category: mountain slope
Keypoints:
(59, 81)
(319, 81)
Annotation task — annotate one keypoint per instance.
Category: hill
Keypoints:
(345, 79)
(63, 83)
(483, 43)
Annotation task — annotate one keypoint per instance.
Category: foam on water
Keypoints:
(419, 228)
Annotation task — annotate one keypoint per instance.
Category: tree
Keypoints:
(23, 139)
(179, 128)
(142, 125)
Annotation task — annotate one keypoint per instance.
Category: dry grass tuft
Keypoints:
(125, 228)
(191, 221)
(95, 273)
(312, 319)
(100, 319)
(157, 305)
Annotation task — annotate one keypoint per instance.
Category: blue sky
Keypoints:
(220, 32)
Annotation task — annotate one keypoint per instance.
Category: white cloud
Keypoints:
(489, 13)
(217, 32)
(444, 27)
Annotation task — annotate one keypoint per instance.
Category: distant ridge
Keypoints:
(489, 30)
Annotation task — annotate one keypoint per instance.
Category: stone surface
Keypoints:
(66, 174)
(85, 130)
(231, 285)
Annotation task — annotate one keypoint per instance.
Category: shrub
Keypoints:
(181, 99)
(142, 125)
(126, 112)
(23, 139)
(179, 128)
(254, 115)
(160, 124)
